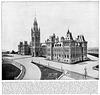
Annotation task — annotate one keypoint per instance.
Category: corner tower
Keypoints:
(35, 39)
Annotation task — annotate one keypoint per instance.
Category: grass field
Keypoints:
(9, 72)
(48, 73)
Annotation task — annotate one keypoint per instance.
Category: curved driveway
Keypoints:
(32, 71)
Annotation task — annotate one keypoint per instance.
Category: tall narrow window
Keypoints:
(67, 56)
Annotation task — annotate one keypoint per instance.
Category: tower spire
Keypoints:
(35, 14)
(35, 20)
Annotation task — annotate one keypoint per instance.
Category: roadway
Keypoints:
(34, 73)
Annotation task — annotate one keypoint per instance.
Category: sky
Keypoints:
(81, 18)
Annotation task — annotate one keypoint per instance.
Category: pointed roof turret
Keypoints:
(35, 21)
(68, 31)
(62, 39)
(35, 27)
(69, 35)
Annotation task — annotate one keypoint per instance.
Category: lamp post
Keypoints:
(85, 73)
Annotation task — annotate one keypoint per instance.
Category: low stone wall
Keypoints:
(22, 68)
(22, 73)
(18, 65)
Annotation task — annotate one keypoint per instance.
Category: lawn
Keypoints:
(48, 73)
(9, 72)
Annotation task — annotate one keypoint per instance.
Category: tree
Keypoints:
(13, 52)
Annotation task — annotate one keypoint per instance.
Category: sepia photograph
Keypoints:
(46, 40)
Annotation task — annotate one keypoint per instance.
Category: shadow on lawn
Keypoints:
(48, 73)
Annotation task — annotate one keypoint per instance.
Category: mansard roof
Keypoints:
(68, 38)
(69, 35)
(80, 38)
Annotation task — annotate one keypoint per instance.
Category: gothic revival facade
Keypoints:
(24, 48)
(66, 49)
(34, 47)
(35, 39)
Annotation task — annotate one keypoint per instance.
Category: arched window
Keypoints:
(65, 55)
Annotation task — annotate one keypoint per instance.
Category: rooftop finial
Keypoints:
(68, 29)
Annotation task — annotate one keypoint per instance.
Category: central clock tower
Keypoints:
(35, 39)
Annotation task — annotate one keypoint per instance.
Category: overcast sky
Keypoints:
(52, 17)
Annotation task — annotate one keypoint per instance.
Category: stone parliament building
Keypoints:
(65, 49)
